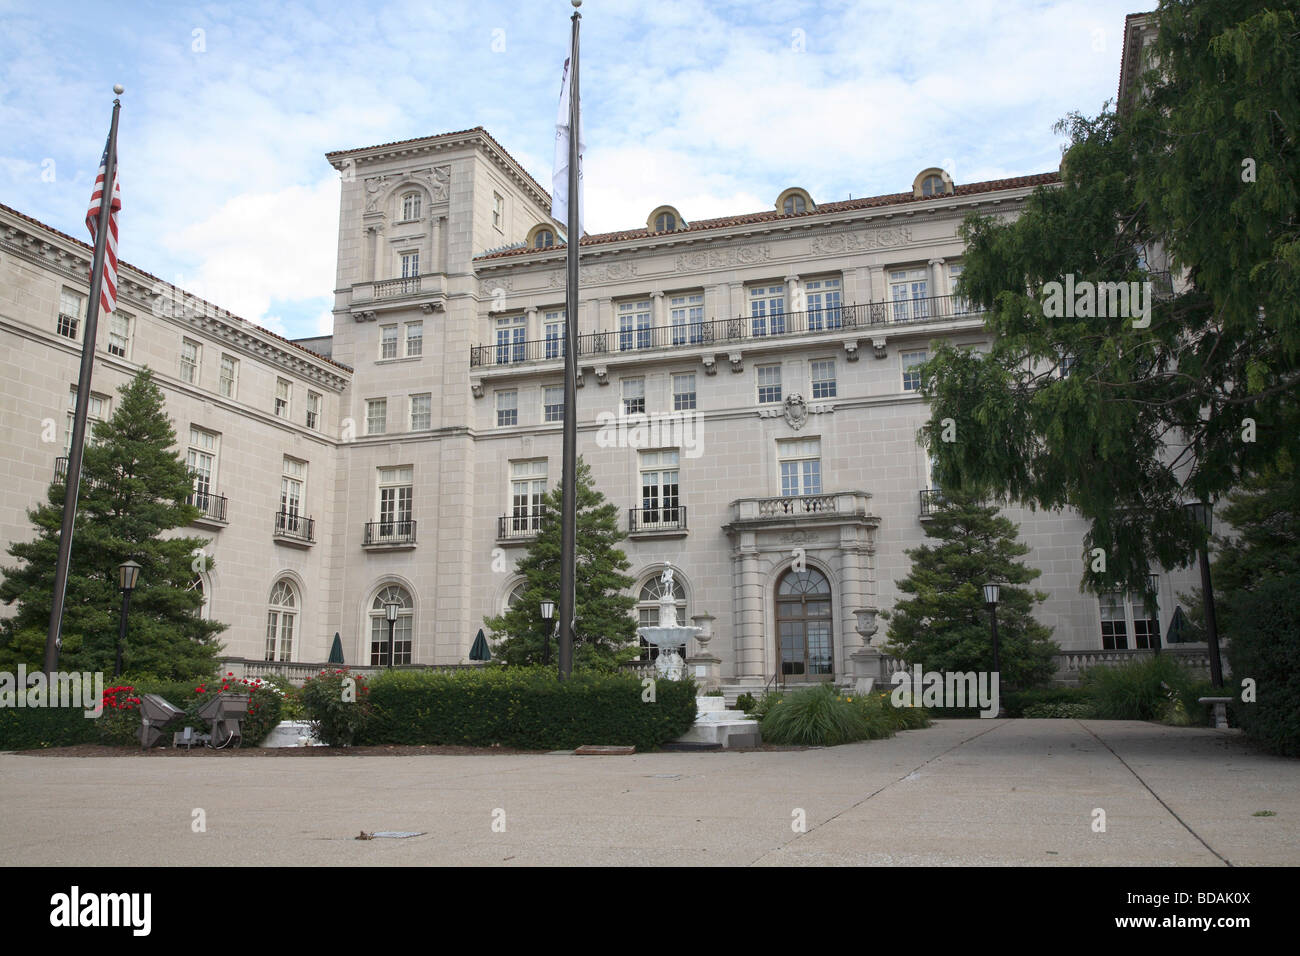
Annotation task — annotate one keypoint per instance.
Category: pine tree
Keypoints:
(605, 632)
(945, 626)
(134, 489)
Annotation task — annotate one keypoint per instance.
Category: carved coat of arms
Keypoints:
(796, 411)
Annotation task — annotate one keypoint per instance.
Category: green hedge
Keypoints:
(1017, 702)
(1265, 646)
(37, 728)
(524, 707)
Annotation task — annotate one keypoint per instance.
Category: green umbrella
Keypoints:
(336, 652)
(480, 652)
(1178, 628)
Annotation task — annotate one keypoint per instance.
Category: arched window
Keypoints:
(544, 239)
(516, 594)
(402, 628)
(803, 625)
(665, 222)
(281, 621)
(647, 613)
(794, 204)
(933, 186)
(203, 611)
(410, 206)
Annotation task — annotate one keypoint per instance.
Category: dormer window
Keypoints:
(544, 239)
(932, 182)
(932, 186)
(794, 204)
(411, 206)
(665, 222)
(665, 219)
(794, 201)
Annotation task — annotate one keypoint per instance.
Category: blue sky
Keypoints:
(714, 107)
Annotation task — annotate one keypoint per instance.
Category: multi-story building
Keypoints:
(747, 396)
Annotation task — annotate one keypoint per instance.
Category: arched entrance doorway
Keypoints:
(803, 626)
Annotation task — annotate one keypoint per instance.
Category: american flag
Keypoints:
(108, 288)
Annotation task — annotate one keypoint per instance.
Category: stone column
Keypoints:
(938, 279)
(657, 312)
(531, 328)
(794, 298)
(751, 663)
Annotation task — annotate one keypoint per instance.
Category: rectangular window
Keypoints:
(660, 490)
(387, 342)
(376, 416)
(911, 369)
(396, 491)
(553, 403)
(801, 467)
(313, 410)
(507, 407)
(1114, 623)
(421, 411)
(410, 207)
(228, 384)
(767, 309)
(686, 314)
(960, 304)
(96, 411)
(190, 352)
(633, 396)
(511, 330)
(72, 306)
(498, 211)
(201, 457)
(283, 391)
(119, 333)
(769, 384)
(684, 392)
(554, 335)
(527, 495)
(634, 325)
(823, 298)
(908, 289)
(293, 494)
(823, 378)
(414, 339)
(410, 264)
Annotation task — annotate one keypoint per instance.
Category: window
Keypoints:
(908, 289)
(633, 396)
(1067, 362)
(201, 458)
(911, 369)
(933, 186)
(553, 403)
(410, 266)
(544, 239)
(293, 485)
(527, 495)
(665, 222)
(684, 392)
(376, 416)
(823, 378)
(190, 352)
(507, 407)
(119, 333)
(769, 384)
(72, 306)
(387, 342)
(96, 411)
(660, 491)
(313, 410)
(280, 621)
(804, 634)
(228, 383)
(414, 339)
(283, 390)
(410, 207)
(510, 339)
(960, 305)
(498, 211)
(421, 411)
(401, 629)
(686, 313)
(396, 490)
(1114, 626)
(554, 342)
(647, 612)
(634, 325)
(794, 204)
(767, 309)
(823, 298)
(1120, 618)
(801, 467)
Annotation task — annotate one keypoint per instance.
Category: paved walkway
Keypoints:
(961, 792)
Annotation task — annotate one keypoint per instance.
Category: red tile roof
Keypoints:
(224, 313)
(773, 215)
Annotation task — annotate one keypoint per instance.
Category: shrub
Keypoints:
(1265, 646)
(1017, 703)
(820, 717)
(338, 705)
(528, 708)
(37, 728)
(1078, 711)
(120, 724)
(746, 702)
(1138, 689)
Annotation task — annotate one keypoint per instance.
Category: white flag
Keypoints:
(560, 178)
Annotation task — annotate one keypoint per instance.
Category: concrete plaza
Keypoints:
(961, 792)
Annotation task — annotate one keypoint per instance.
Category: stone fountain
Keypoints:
(668, 635)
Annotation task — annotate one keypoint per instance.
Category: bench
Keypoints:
(1220, 710)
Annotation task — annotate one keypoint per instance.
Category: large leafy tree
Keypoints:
(605, 632)
(134, 490)
(944, 625)
(1201, 169)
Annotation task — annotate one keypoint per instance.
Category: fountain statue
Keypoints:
(668, 635)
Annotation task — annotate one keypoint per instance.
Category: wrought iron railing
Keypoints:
(870, 315)
(389, 532)
(212, 506)
(520, 524)
(931, 501)
(289, 524)
(657, 519)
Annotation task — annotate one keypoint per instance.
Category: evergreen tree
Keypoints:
(605, 632)
(134, 489)
(945, 625)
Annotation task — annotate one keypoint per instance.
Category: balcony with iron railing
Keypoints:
(521, 525)
(931, 501)
(389, 535)
(657, 522)
(212, 507)
(293, 528)
(752, 330)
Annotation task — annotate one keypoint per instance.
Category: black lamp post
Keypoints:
(390, 612)
(128, 576)
(1203, 514)
(548, 613)
(991, 594)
